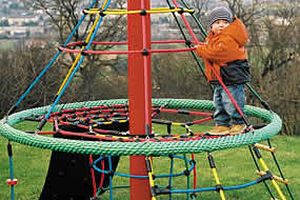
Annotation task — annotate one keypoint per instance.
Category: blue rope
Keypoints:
(76, 68)
(170, 178)
(140, 176)
(49, 65)
(235, 187)
(110, 179)
(11, 170)
(11, 175)
(78, 24)
(187, 176)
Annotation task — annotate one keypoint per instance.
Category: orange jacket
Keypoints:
(224, 47)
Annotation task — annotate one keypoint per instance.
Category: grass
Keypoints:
(235, 166)
(6, 44)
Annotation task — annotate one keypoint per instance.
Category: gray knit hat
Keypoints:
(220, 13)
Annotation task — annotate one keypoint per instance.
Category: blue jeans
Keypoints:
(225, 113)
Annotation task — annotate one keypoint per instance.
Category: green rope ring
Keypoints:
(140, 148)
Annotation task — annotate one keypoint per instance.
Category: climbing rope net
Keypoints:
(90, 120)
(88, 117)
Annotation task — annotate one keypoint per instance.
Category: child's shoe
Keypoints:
(237, 129)
(219, 130)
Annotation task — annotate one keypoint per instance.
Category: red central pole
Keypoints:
(139, 91)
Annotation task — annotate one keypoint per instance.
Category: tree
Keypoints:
(63, 16)
(279, 58)
(20, 70)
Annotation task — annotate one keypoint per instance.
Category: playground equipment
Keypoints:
(97, 133)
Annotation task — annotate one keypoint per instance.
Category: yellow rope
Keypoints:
(214, 172)
(111, 122)
(125, 12)
(274, 183)
(150, 175)
(79, 54)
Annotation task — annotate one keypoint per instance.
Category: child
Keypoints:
(224, 52)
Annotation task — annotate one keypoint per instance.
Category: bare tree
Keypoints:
(20, 70)
(247, 11)
(63, 16)
(201, 7)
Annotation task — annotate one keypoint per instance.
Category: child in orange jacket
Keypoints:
(224, 54)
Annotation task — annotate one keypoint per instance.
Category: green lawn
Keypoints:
(235, 166)
(6, 44)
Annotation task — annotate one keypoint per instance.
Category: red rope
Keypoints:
(97, 52)
(102, 174)
(197, 113)
(93, 176)
(172, 138)
(89, 108)
(228, 92)
(202, 120)
(147, 81)
(79, 43)
(111, 135)
(187, 24)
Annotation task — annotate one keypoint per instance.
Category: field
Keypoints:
(235, 166)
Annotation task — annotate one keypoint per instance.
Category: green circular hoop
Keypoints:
(140, 148)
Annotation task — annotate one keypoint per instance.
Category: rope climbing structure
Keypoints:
(92, 128)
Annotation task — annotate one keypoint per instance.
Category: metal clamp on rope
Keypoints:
(276, 178)
(148, 165)
(143, 12)
(211, 161)
(61, 47)
(153, 176)
(101, 13)
(193, 162)
(256, 151)
(42, 124)
(219, 187)
(248, 129)
(9, 149)
(181, 10)
(265, 105)
(111, 173)
(145, 52)
(84, 53)
(186, 172)
(154, 190)
(91, 131)
(193, 196)
(188, 42)
(184, 136)
(192, 12)
(185, 112)
(84, 11)
(189, 123)
(267, 176)
(171, 156)
(83, 44)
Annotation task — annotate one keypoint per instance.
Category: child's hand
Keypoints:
(199, 44)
